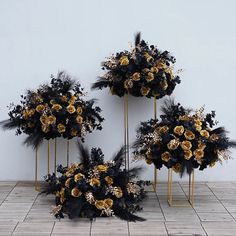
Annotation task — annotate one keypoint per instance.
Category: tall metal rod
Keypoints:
(191, 188)
(126, 131)
(155, 170)
(67, 152)
(127, 125)
(125, 136)
(55, 155)
(36, 169)
(48, 156)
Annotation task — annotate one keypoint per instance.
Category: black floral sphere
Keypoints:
(182, 140)
(143, 71)
(54, 110)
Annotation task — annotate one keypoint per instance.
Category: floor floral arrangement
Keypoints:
(95, 187)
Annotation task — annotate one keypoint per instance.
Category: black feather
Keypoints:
(125, 215)
(84, 156)
(100, 84)
(137, 38)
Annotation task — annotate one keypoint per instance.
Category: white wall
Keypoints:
(40, 37)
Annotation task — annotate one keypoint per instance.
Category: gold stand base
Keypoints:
(191, 184)
(36, 182)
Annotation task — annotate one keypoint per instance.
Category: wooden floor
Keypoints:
(24, 212)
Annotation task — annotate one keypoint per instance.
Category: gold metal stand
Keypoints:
(55, 155)
(155, 170)
(67, 152)
(191, 185)
(126, 131)
(36, 171)
(48, 157)
(36, 183)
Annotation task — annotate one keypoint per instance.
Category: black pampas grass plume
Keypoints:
(137, 38)
(100, 84)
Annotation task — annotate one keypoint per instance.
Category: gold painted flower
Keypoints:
(31, 111)
(169, 71)
(165, 156)
(184, 118)
(56, 107)
(44, 120)
(197, 122)
(154, 69)
(108, 202)
(78, 177)
(128, 83)
(148, 57)
(177, 168)
(40, 108)
(214, 137)
(79, 119)
(109, 180)
(136, 76)
(124, 61)
(28, 113)
(79, 110)
(204, 133)
(145, 91)
(179, 130)
(102, 168)
(94, 182)
(173, 144)
(45, 128)
(189, 135)
(118, 192)
(71, 109)
(201, 145)
(75, 192)
(51, 120)
(150, 77)
(198, 127)
(161, 64)
(188, 154)
(164, 84)
(61, 128)
(67, 182)
(73, 132)
(100, 204)
(198, 153)
(186, 145)
(69, 172)
(72, 100)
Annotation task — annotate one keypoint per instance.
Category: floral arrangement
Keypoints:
(54, 110)
(94, 188)
(143, 71)
(182, 139)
